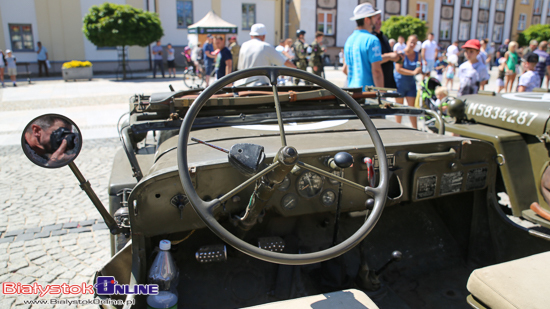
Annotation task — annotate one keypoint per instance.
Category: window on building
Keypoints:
(445, 30)
(448, 2)
(497, 33)
(184, 11)
(481, 31)
(249, 15)
(535, 20)
(325, 22)
(422, 11)
(501, 5)
(522, 21)
(21, 37)
(484, 4)
(464, 31)
(537, 8)
(467, 3)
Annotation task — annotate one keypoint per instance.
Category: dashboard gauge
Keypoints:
(328, 197)
(309, 184)
(289, 201)
(332, 181)
(285, 184)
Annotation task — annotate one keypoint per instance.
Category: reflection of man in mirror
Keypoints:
(50, 149)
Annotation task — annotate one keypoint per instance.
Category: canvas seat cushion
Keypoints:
(348, 299)
(520, 283)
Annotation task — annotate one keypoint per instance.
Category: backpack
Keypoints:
(200, 55)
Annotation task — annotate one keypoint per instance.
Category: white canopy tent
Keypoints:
(209, 24)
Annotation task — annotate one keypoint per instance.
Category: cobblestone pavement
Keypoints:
(51, 232)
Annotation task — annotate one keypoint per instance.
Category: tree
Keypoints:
(121, 25)
(535, 32)
(404, 26)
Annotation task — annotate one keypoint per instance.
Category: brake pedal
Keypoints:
(273, 244)
(211, 253)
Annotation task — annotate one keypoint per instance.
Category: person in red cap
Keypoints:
(471, 72)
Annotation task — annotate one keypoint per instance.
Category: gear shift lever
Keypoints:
(368, 279)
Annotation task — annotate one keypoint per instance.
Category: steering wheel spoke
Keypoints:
(247, 183)
(278, 111)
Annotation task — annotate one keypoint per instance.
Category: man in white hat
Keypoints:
(362, 51)
(257, 53)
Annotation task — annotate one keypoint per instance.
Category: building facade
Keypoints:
(449, 20)
(58, 23)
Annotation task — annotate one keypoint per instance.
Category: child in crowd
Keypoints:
(450, 75)
(501, 73)
(471, 72)
(440, 65)
(12, 66)
(441, 93)
(530, 79)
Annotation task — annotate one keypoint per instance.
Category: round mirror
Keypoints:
(51, 141)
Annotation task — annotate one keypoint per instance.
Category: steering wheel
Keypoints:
(207, 210)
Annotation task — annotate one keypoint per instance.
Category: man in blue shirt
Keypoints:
(157, 59)
(362, 51)
(209, 58)
(42, 57)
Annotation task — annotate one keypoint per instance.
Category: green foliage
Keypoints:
(121, 25)
(404, 26)
(535, 32)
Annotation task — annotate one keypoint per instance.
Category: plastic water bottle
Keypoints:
(164, 273)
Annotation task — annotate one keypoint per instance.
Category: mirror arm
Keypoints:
(129, 149)
(86, 187)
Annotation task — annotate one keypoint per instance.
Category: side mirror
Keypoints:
(54, 141)
(51, 141)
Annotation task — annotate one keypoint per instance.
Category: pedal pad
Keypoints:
(273, 244)
(211, 253)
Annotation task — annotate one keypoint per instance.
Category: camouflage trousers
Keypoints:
(301, 65)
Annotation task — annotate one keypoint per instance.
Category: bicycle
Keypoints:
(195, 79)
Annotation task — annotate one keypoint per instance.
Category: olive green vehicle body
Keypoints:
(441, 210)
(518, 126)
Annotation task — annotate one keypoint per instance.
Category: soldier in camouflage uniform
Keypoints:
(300, 53)
(317, 54)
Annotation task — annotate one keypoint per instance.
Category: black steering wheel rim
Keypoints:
(202, 208)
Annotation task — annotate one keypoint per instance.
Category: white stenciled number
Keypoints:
(488, 111)
(532, 118)
(480, 109)
(495, 115)
(513, 113)
(522, 117)
(503, 114)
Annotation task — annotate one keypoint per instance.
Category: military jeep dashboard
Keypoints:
(422, 166)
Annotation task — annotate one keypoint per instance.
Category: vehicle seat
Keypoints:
(349, 299)
(521, 283)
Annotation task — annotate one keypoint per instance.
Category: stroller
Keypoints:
(426, 99)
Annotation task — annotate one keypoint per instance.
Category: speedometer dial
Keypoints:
(309, 184)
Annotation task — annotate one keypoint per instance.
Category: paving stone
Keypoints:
(13, 233)
(26, 236)
(59, 232)
(36, 254)
(99, 226)
(70, 225)
(80, 230)
(52, 227)
(42, 234)
(47, 278)
(19, 256)
(87, 222)
(6, 303)
(67, 275)
(17, 265)
(42, 260)
(33, 230)
(6, 239)
(33, 271)
(29, 249)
